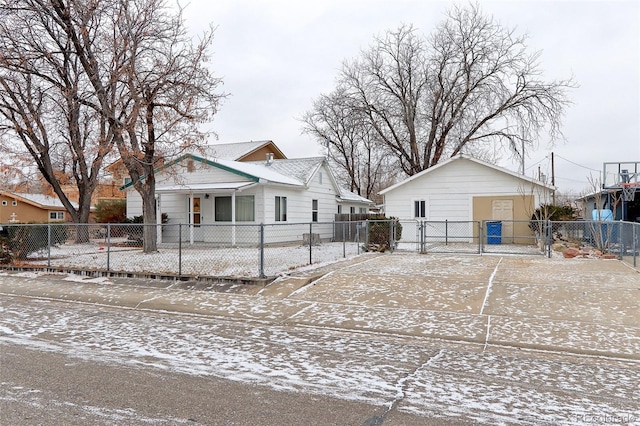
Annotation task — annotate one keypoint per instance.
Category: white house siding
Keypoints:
(449, 192)
(134, 203)
(449, 189)
(299, 207)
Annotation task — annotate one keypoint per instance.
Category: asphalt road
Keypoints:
(76, 376)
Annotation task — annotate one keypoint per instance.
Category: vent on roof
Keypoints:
(269, 158)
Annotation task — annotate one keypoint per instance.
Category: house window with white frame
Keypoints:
(314, 210)
(4, 202)
(14, 203)
(420, 209)
(245, 208)
(56, 215)
(281, 209)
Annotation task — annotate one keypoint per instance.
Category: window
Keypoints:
(56, 215)
(281, 209)
(320, 177)
(420, 208)
(14, 203)
(339, 208)
(363, 210)
(352, 210)
(314, 210)
(4, 202)
(245, 209)
(223, 209)
(126, 181)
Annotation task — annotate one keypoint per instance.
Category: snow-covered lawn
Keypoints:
(194, 260)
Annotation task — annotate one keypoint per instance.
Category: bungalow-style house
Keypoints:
(240, 151)
(465, 189)
(196, 191)
(31, 208)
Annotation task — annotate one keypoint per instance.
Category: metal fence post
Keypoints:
(446, 232)
(108, 247)
(549, 237)
(344, 240)
(620, 240)
(49, 245)
(310, 242)
(636, 231)
(366, 234)
(179, 250)
(262, 275)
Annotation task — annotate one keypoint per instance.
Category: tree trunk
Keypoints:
(149, 232)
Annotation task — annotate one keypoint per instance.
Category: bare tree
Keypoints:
(43, 105)
(469, 86)
(350, 143)
(170, 93)
(150, 82)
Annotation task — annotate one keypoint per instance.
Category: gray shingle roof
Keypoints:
(230, 151)
(301, 169)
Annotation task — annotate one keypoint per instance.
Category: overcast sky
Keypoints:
(277, 56)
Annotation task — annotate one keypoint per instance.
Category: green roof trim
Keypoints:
(201, 160)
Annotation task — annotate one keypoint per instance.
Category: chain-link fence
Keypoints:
(222, 251)
(508, 237)
(232, 251)
(613, 239)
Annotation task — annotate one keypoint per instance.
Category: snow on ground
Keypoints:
(196, 260)
(445, 296)
(427, 378)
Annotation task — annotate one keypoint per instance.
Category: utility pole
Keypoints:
(553, 180)
(522, 156)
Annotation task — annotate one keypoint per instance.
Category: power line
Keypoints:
(579, 165)
(535, 164)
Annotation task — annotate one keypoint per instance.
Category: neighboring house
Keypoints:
(241, 151)
(30, 208)
(615, 177)
(465, 189)
(351, 203)
(196, 191)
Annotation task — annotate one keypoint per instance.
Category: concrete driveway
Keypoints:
(569, 305)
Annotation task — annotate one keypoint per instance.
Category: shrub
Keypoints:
(380, 233)
(5, 251)
(111, 211)
(552, 213)
(17, 242)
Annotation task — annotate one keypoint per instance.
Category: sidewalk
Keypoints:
(582, 306)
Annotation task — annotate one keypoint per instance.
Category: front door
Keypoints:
(503, 210)
(197, 219)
